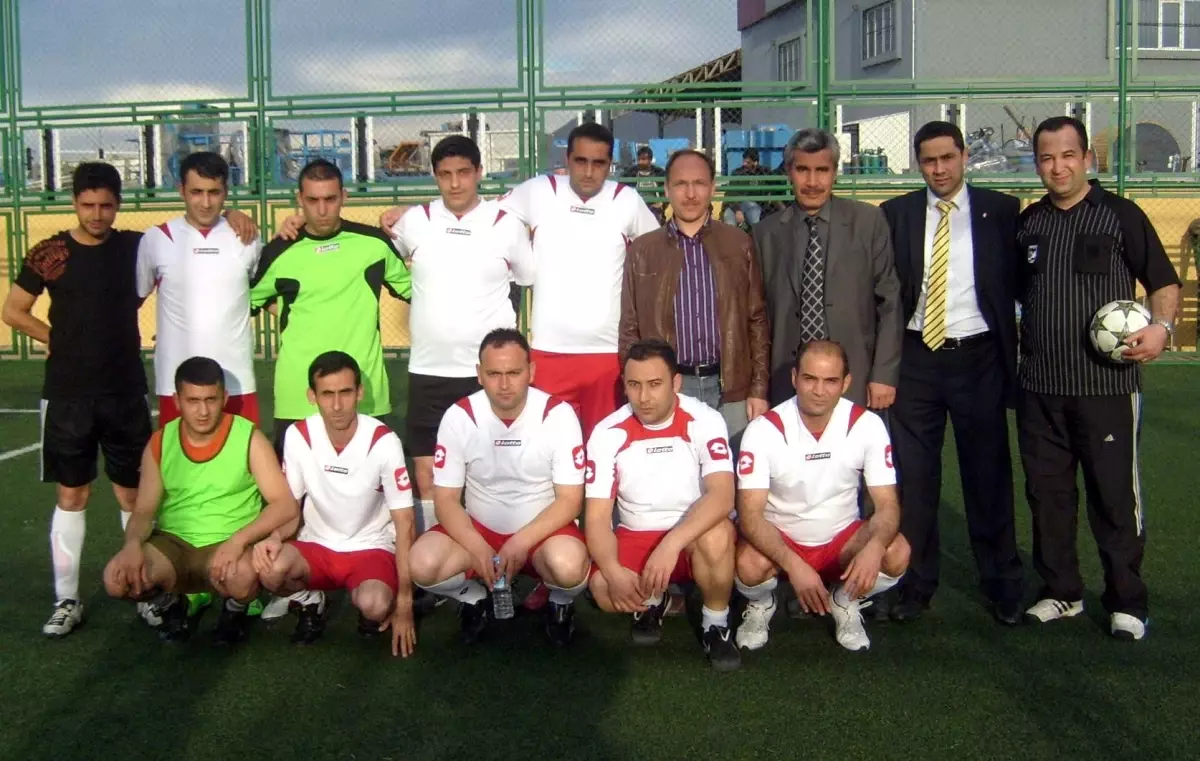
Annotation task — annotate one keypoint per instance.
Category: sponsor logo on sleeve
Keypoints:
(746, 464)
(577, 457)
(718, 449)
(439, 457)
(403, 483)
(589, 472)
(887, 456)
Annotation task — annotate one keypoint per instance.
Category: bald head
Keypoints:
(826, 349)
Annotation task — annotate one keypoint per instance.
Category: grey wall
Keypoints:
(760, 59)
(847, 42)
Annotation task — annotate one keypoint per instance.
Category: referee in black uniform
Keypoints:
(1083, 247)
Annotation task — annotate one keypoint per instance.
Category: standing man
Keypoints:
(464, 253)
(695, 284)
(94, 392)
(828, 266)
(956, 262)
(202, 267)
(751, 211)
(329, 281)
(1084, 247)
(581, 230)
(645, 167)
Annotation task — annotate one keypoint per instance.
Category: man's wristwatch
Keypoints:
(1168, 326)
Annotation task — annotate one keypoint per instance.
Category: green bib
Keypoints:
(206, 502)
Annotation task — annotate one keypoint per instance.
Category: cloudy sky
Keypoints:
(109, 51)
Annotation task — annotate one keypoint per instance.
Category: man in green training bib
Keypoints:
(199, 509)
(325, 287)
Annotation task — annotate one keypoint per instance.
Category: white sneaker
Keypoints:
(1047, 609)
(67, 616)
(150, 614)
(756, 620)
(279, 607)
(1125, 626)
(848, 624)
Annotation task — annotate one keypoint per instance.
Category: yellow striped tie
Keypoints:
(934, 331)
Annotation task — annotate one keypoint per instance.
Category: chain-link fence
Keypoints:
(373, 85)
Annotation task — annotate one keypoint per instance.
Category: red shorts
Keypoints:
(328, 569)
(823, 558)
(245, 405)
(496, 541)
(634, 549)
(590, 382)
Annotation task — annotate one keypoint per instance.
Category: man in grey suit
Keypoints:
(829, 272)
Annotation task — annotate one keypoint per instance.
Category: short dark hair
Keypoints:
(645, 150)
(206, 164)
(650, 348)
(501, 337)
(824, 346)
(750, 153)
(199, 371)
(931, 130)
(591, 131)
(320, 169)
(96, 175)
(333, 362)
(1056, 123)
(712, 168)
(456, 145)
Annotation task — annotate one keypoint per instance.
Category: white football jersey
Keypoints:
(203, 305)
(462, 268)
(812, 481)
(656, 473)
(351, 493)
(579, 259)
(508, 469)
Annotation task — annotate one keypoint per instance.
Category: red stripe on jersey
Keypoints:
(499, 216)
(465, 403)
(855, 413)
(302, 427)
(551, 403)
(380, 432)
(620, 186)
(425, 206)
(166, 231)
(636, 431)
(773, 417)
(553, 184)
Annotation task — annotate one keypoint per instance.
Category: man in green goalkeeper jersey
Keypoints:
(326, 286)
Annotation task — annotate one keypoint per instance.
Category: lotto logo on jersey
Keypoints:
(403, 483)
(457, 231)
(664, 449)
(817, 456)
(718, 449)
(887, 456)
(589, 472)
(577, 456)
(206, 251)
(327, 248)
(582, 210)
(337, 469)
(439, 457)
(746, 464)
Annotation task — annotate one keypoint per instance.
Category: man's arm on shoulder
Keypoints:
(281, 506)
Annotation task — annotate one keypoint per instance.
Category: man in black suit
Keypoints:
(956, 259)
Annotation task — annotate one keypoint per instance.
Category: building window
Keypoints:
(879, 32)
(1169, 24)
(789, 61)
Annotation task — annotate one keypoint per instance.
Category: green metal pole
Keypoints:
(821, 8)
(1122, 93)
(258, 16)
(14, 179)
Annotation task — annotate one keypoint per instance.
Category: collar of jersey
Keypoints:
(337, 232)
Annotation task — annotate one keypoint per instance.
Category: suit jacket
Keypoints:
(993, 241)
(862, 294)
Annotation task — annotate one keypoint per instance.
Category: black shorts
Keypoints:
(429, 396)
(73, 430)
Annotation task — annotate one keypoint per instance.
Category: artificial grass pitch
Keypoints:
(951, 685)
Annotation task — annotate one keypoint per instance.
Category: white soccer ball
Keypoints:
(1113, 323)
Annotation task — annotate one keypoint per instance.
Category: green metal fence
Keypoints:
(373, 83)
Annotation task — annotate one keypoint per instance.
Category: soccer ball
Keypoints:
(1112, 323)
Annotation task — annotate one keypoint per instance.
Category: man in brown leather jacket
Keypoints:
(696, 284)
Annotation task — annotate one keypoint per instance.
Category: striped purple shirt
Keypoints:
(697, 338)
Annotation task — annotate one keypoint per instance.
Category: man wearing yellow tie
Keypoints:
(956, 259)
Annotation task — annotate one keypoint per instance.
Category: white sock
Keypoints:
(650, 602)
(235, 606)
(710, 618)
(882, 584)
(565, 595)
(125, 519)
(426, 516)
(758, 593)
(459, 588)
(67, 530)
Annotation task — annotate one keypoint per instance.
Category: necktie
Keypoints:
(812, 295)
(934, 331)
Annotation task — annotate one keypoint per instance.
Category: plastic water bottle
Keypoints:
(502, 600)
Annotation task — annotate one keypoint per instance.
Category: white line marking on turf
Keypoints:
(18, 412)
(18, 452)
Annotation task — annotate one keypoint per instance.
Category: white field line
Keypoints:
(36, 445)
